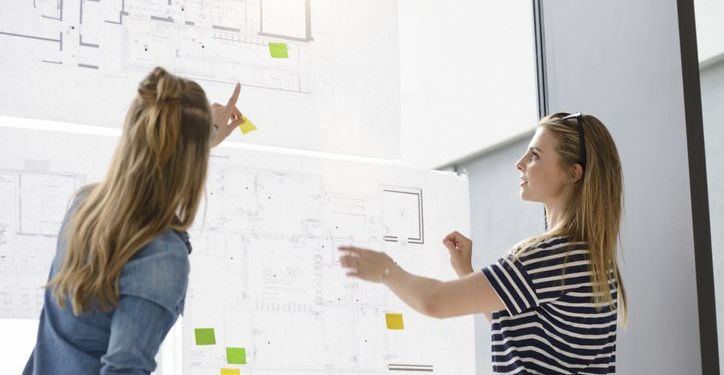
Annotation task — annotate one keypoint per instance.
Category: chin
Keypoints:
(524, 195)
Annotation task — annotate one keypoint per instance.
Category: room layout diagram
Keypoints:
(40, 171)
(266, 295)
(263, 43)
(32, 206)
(305, 67)
(266, 279)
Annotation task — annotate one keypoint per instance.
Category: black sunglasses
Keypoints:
(579, 120)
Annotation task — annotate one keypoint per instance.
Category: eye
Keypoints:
(534, 156)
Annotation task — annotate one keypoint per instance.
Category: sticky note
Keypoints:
(205, 336)
(230, 371)
(236, 356)
(278, 50)
(394, 321)
(247, 125)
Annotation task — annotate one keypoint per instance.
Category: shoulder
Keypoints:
(76, 200)
(168, 245)
(557, 249)
(158, 272)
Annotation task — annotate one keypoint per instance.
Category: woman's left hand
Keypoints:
(368, 265)
(226, 118)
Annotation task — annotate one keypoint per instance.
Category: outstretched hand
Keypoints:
(226, 117)
(368, 265)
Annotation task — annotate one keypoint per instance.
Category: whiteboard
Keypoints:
(264, 270)
(39, 172)
(332, 85)
(266, 279)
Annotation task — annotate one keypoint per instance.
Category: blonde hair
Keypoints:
(593, 210)
(154, 184)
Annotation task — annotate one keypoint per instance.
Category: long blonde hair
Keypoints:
(593, 210)
(154, 184)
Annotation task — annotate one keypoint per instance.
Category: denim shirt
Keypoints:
(126, 339)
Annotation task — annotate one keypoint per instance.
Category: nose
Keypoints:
(519, 165)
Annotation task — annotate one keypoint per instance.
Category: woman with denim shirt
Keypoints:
(118, 281)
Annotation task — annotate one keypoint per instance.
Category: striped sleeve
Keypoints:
(512, 284)
(541, 275)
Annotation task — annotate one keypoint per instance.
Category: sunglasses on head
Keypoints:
(579, 120)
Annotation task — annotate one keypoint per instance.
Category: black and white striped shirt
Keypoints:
(551, 324)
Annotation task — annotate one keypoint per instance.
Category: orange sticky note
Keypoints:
(230, 371)
(247, 126)
(394, 321)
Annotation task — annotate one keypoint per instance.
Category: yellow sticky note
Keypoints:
(394, 321)
(279, 50)
(230, 371)
(247, 126)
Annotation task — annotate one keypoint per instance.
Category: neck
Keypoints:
(554, 214)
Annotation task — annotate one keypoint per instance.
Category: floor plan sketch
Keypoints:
(218, 40)
(33, 205)
(36, 187)
(403, 215)
(266, 293)
(305, 66)
(266, 278)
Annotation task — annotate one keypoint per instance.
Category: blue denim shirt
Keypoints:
(126, 339)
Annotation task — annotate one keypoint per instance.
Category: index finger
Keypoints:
(234, 96)
(356, 251)
(350, 249)
(236, 112)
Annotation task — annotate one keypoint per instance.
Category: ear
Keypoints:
(576, 173)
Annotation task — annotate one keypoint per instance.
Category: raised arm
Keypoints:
(470, 294)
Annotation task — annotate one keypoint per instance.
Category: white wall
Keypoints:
(620, 60)
(712, 102)
(467, 77)
(709, 29)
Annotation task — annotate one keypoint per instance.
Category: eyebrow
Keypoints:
(535, 149)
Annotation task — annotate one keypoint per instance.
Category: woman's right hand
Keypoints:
(461, 253)
(226, 118)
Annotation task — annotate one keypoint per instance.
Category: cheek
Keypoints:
(545, 182)
(535, 174)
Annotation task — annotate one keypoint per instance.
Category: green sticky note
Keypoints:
(205, 336)
(236, 356)
(279, 50)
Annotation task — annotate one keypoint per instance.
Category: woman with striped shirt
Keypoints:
(554, 301)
